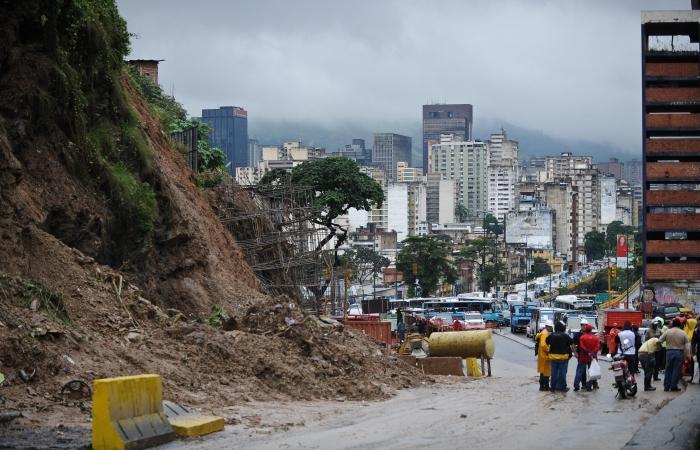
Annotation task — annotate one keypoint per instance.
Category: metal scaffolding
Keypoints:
(273, 227)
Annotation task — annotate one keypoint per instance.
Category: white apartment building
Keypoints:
(501, 149)
(397, 209)
(502, 174)
(441, 199)
(466, 163)
(501, 189)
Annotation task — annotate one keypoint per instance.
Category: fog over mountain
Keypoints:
(559, 72)
(532, 142)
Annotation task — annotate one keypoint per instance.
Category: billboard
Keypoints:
(622, 246)
(608, 200)
(531, 228)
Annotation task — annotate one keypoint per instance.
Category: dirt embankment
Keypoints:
(66, 314)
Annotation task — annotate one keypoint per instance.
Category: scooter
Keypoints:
(625, 383)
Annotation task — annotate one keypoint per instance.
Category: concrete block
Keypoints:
(446, 365)
(188, 423)
(127, 413)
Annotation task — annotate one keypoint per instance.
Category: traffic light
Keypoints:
(570, 267)
(613, 271)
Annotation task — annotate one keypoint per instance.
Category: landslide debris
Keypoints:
(112, 260)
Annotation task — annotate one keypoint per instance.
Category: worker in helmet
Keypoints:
(654, 331)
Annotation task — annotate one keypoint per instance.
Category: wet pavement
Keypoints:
(504, 411)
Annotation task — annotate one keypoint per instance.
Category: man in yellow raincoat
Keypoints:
(689, 328)
(544, 366)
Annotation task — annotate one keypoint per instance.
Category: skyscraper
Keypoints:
(389, 149)
(230, 133)
(445, 119)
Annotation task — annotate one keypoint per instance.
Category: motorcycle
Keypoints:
(625, 383)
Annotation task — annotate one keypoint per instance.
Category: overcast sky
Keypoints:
(568, 68)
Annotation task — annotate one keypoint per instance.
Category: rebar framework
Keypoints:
(276, 233)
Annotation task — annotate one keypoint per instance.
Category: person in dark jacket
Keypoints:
(560, 349)
(637, 344)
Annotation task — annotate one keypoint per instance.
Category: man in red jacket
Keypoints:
(588, 347)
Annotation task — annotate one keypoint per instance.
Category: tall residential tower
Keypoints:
(445, 119)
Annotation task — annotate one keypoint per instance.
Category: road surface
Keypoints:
(505, 411)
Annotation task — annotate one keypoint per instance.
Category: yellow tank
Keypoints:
(465, 344)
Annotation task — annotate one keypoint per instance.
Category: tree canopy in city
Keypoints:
(483, 253)
(491, 225)
(540, 267)
(338, 186)
(365, 263)
(594, 244)
(428, 260)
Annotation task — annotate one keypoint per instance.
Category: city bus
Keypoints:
(576, 306)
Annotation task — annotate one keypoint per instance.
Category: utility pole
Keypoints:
(527, 267)
(627, 257)
(550, 273)
(607, 258)
(483, 263)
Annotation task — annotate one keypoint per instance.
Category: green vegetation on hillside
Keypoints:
(173, 118)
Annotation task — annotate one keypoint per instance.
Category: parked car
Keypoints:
(473, 321)
(666, 311)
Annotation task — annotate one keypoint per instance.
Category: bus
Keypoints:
(576, 305)
(491, 309)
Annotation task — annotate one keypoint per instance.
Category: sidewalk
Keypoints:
(675, 426)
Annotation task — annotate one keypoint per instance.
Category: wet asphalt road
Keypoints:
(505, 411)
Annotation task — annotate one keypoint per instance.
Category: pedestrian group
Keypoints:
(664, 347)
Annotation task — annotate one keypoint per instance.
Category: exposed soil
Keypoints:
(67, 315)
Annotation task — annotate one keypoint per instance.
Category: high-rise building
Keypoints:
(633, 172)
(406, 174)
(502, 151)
(612, 168)
(502, 174)
(254, 152)
(389, 149)
(229, 126)
(671, 151)
(584, 179)
(441, 199)
(560, 198)
(561, 166)
(355, 151)
(633, 175)
(445, 119)
(464, 162)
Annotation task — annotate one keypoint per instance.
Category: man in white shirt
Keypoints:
(625, 345)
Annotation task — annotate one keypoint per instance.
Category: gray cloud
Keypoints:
(568, 68)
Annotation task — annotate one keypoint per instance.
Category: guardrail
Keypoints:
(614, 301)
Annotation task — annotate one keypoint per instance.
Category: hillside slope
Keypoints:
(111, 258)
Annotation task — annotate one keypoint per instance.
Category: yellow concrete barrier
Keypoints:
(127, 413)
(188, 423)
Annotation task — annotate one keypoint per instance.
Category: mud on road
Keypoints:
(504, 411)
